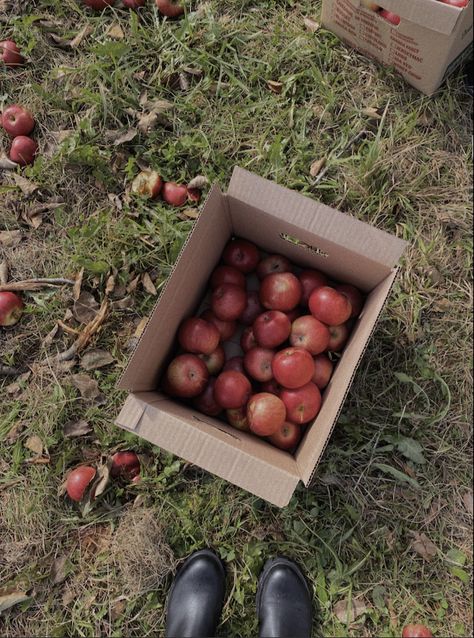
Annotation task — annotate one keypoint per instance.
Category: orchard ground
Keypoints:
(386, 530)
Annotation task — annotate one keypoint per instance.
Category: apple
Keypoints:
(456, 3)
(391, 17)
(280, 291)
(226, 328)
(310, 280)
(10, 54)
(302, 404)
(258, 363)
(241, 254)
(99, 4)
(416, 631)
(265, 413)
(227, 275)
(273, 263)
(238, 418)
(205, 402)
(147, 183)
(126, 464)
(194, 195)
(309, 333)
(247, 340)
(228, 301)
(23, 150)
(323, 369)
(232, 389)
(329, 306)
(133, 4)
(235, 363)
(293, 314)
(271, 328)
(11, 309)
(252, 310)
(214, 361)
(339, 337)
(293, 367)
(272, 386)
(355, 297)
(17, 120)
(174, 194)
(198, 336)
(78, 481)
(186, 376)
(369, 4)
(169, 8)
(287, 437)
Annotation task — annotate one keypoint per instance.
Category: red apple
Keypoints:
(309, 333)
(206, 402)
(265, 413)
(23, 150)
(186, 376)
(391, 17)
(339, 337)
(252, 310)
(227, 275)
(310, 280)
(369, 4)
(302, 404)
(174, 194)
(11, 308)
(272, 386)
(273, 263)
(247, 340)
(78, 481)
(258, 363)
(10, 54)
(287, 437)
(147, 183)
(232, 389)
(238, 418)
(355, 297)
(126, 464)
(416, 631)
(293, 367)
(198, 336)
(214, 361)
(236, 364)
(17, 120)
(456, 3)
(133, 4)
(271, 328)
(241, 254)
(280, 291)
(228, 302)
(99, 4)
(330, 306)
(323, 368)
(293, 314)
(194, 195)
(169, 8)
(226, 328)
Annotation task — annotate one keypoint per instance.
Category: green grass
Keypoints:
(409, 174)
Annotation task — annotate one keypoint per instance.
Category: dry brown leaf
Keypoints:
(85, 308)
(10, 596)
(148, 284)
(199, 182)
(76, 290)
(16, 386)
(35, 444)
(126, 136)
(188, 213)
(110, 285)
(347, 611)
(467, 499)
(48, 340)
(123, 304)
(4, 272)
(26, 186)
(102, 480)
(34, 216)
(88, 387)
(68, 596)
(10, 238)
(6, 164)
(275, 87)
(183, 81)
(117, 610)
(132, 286)
(59, 571)
(83, 33)
(423, 546)
(115, 32)
(317, 166)
(96, 358)
(147, 122)
(372, 113)
(38, 460)
(311, 24)
(115, 200)
(141, 327)
(76, 428)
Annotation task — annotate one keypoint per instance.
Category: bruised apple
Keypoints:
(236, 364)
(147, 183)
(265, 413)
(330, 306)
(247, 340)
(302, 404)
(323, 368)
(215, 360)
(273, 263)
(186, 376)
(287, 437)
(228, 302)
(355, 297)
(198, 336)
(237, 417)
(205, 402)
(280, 291)
(338, 338)
(226, 328)
(258, 363)
(309, 333)
(232, 389)
(293, 367)
(11, 308)
(252, 310)
(227, 275)
(310, 280)
(271, 328)
(241, 254)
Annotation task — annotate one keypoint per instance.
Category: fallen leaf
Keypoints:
(117, 610)
(16, 386)
(423, 546)
(311, 24)
(147, 122)
(199, 182)
(89, 388)
(123, 304)
(132, 286)
(103, 479)
(10, 596)
(188, 213)
(4, 272)
(183, 81)
(110, 285)
(34, 216)
(76, 428)
(148, 284)
(96, 358)
(76, 290)
(467, 499)
(115, 32)
(85, 308)
(116, 200)
(35, 444)
(126, 136)
(141, 327)
(68, 596)
(83, 33)
(6, 164)
(275, 87)
(59, 571)
(347, 611)
(48, 340)
(372, 113)
(15, 432)
(10, 238)
(26, 186)
(317, 166)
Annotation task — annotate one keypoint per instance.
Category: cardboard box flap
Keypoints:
(238, 457)
(318, 435)
(333, 226)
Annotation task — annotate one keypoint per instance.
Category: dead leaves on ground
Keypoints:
(85, 307)
(348, 610)
(423, 546)
(96, 358)
(10, 238)
(74, 429)
(10, 596)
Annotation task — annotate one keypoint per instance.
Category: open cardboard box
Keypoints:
(430, 42)
(309, 234)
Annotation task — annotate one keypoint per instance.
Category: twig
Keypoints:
(35, 284)
(85, 336)
(8, 371)
(68, 329)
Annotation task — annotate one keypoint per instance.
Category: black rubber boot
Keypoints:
(283, 601)
(196, 597)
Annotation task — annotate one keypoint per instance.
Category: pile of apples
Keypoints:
(165, 7)
(395, 19)
(19, 123)
(149, 183)
(285, 329)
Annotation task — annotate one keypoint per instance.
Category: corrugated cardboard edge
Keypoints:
(310, 480)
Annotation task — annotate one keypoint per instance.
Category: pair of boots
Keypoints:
(197, 595)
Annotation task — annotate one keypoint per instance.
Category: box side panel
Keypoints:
(238, 457)
(317, 437)
(181, 293)
(431, 14)
(462, 45)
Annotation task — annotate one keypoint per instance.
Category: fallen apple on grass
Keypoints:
(174, 194)
(416, 631)
(125, 465)
(293, 367)
(147, 183)
(232, 389)
(98, 4)
(169, 8)
(10, 54)
(78, 481)
(133, 4)
(11, 309)
(23, 150)
(186, 376)
(198, 336)
(266, 413)
(280, 291)
(287, 437)
(241, 254)
(194, 195)
(16, 120)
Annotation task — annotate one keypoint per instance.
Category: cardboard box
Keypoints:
(309, 234)
(430, 42)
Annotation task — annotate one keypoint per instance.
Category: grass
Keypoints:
(409, 174)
